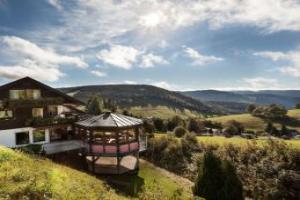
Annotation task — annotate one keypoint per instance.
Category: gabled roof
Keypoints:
(110, 120)
(27, 80)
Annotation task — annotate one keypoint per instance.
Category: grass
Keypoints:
(167, 182)
(254, 123)
(162, 112)
(28, 177)
(220, 140)
(24, 176)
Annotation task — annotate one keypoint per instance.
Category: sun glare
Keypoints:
(151, 20)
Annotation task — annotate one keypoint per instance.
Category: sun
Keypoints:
(151, 20)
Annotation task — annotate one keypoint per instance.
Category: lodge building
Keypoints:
(34, 113)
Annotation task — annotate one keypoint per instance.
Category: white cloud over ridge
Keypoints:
(32, 60)
(291, 57)
(261, 83)
(199, 59)
(98, 73)
(125, 57)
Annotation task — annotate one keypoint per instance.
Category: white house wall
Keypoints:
(8, 137)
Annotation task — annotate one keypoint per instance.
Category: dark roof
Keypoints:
(27, 80)
(110, 120)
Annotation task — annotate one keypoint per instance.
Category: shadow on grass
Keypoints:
(128, 184)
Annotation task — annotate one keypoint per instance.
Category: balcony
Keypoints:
(21, 103)
(42, 122)
(62, 146)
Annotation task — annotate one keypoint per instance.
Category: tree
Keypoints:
(250, 108)
(284, 130)
(174, 122)
(159, 124)
(210, 179)
(94, 105)
(233, 187)
(193, 125)
(217, 180)
(189, 144)
(234, 128)
(110, 105)
(297, 106)
(179, 131)
(269, 127)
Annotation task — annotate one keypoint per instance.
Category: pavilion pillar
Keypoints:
(118, 151)
(91, 138)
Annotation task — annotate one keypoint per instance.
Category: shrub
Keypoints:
(216, 181)
(210, 178)
(179, 131)
(189, 144)
(159, 125)
(233, 188)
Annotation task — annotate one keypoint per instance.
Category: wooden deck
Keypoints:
(108, 165)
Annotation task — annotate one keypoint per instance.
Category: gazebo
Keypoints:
(112, 142)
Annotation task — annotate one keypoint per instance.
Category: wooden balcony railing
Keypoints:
(39, 122)
(21, 103)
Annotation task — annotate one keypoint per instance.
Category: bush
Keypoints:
(210, 178)
(216, 181)
(189, 144)
(179, 131)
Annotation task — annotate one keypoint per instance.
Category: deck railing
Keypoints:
(112, 149)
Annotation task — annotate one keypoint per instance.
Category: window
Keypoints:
(39, 136)
(6, 114)
(37, 112)
(33, 94)
(52, 110)
(22, 138)
(17, 94)
(24, 94)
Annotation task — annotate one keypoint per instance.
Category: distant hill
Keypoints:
(288, 98)
(142, 95)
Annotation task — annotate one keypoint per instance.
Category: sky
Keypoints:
(173, 44)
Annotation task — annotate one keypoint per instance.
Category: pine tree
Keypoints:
(210, 178)
(233, 188)
(94, 105)
(269, 127)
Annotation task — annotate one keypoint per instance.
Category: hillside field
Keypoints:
(254, 123)
(24, 176)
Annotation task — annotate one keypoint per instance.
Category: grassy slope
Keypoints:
(27, 176)
(253, 123)
(220, 140)
(161, 112)
(24, 175)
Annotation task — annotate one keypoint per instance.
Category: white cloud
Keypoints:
(292, 58)
(32, 69)
(119, 56)
(91, 23)
(261, 83)
(130, 82)
(149, 60)
(199, 59)
(56, 4)
(43, 56)
(126, 56)
(32, 60)
(98, 73)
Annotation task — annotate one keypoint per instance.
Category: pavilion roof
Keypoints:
(110, 120)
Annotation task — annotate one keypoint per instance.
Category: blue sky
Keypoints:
(174, 44)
